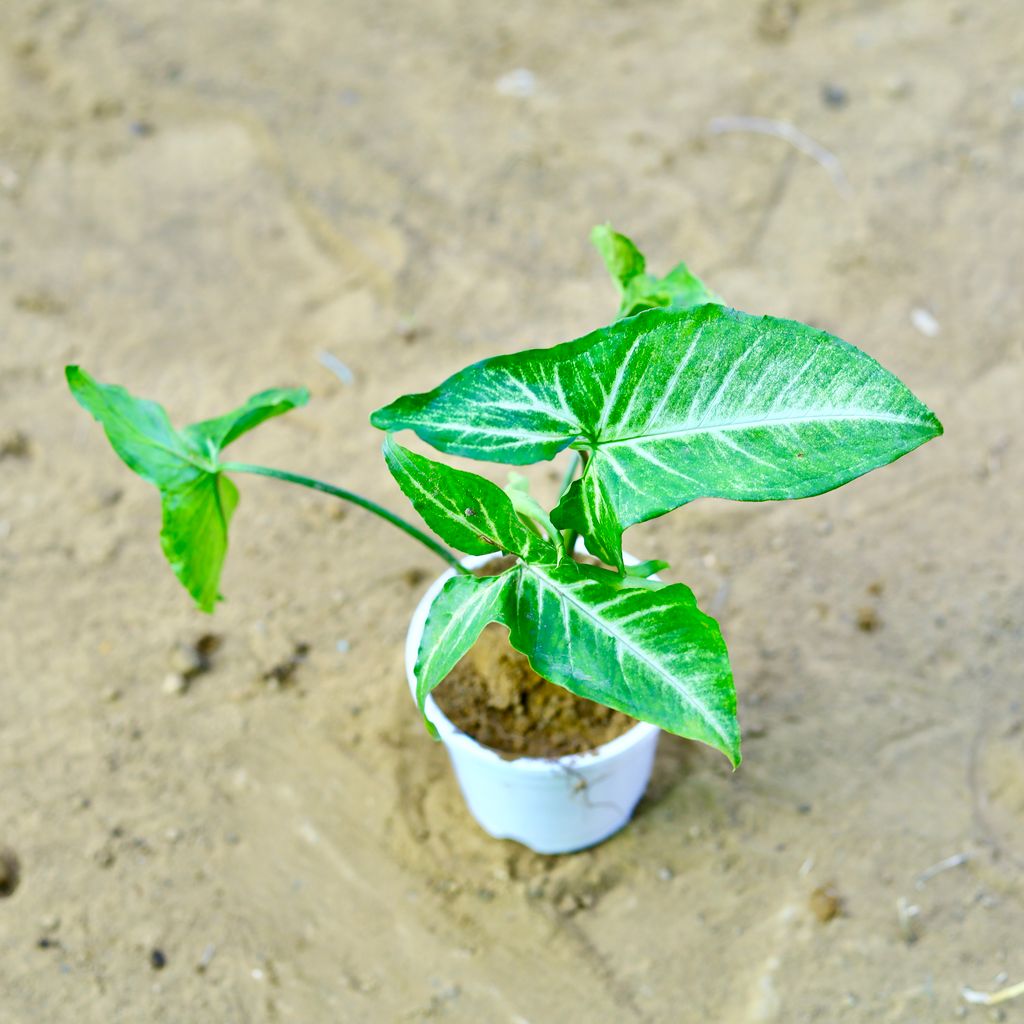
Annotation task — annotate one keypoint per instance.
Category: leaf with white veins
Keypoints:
(674, 405)
(635, 645)
(459, 612)
(650, 653)
(463, 509)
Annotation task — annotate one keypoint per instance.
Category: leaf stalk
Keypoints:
(356, 499)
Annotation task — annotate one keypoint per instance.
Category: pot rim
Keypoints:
(454, 737)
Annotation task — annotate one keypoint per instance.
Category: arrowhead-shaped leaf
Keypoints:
(638, 290)
(672, 405)
(197, 499)
(645, 649)
(463, 509)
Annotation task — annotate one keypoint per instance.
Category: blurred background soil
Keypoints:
(198, 200)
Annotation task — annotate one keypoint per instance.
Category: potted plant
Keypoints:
(678, 399)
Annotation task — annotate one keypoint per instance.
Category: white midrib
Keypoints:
(699, 706)
(816, 416)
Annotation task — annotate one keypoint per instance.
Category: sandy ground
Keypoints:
(198, 198)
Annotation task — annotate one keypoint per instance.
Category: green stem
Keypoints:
(570, 473)
(569, 536)
(356, 499)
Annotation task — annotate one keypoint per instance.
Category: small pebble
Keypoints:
(833, 95)
(49, 923)
(157, 959)
(898, 87)
(10, 871)
(206, 959)
(908, 915)
(825, 903)
(567, 904)
(520, 84)
(666, 874)
(186, 660)
(867, 619)
(925, 322)
(776, 19)
(14, 444)
(175, 684)
(104, 857)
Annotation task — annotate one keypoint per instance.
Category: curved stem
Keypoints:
(356, 499)
(569, 536)
(570, 473)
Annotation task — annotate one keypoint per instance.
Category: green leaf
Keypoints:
(529, 508)
(678, 289)
(673, 405)
(622, 258)
(650, 653)
(196, 498)
(194, 537)
(641, 570)
(458, 614)
(463, 509)
(220, 432)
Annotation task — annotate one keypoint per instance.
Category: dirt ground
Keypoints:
(198, 200)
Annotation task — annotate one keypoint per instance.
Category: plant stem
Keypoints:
(570, 473)
(569, 536)
(356, 499)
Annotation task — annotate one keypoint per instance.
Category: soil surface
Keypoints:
(495, 697)
(203, 200)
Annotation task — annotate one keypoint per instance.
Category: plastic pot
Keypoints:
(551, 805)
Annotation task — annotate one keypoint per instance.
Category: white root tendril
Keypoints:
(791, 134)
(957, 860)
(992, 998)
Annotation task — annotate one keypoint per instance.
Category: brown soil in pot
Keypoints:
(494, 696)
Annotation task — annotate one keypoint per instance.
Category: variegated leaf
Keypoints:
(463, 509)
(459, 612)
(669, 406)
(645, 650)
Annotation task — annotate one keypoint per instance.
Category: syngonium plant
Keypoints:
(680, 398)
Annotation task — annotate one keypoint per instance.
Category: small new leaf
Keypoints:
(641, 570)
(638, 290)
(196, 498)
(529, 508)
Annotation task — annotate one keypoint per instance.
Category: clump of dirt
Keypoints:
(495, 697)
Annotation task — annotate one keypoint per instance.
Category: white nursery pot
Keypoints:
(551, 805)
